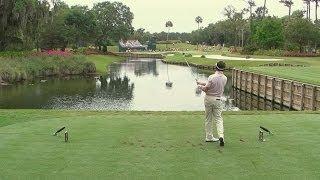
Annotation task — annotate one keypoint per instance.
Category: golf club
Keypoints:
(198, 89)
(61, 129)
(191, 68)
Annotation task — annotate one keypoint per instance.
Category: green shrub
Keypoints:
(13, 54)
(24, 68)
(274, 52)
(291, 47)
(203, 56)
(249, 49)
(169, 42)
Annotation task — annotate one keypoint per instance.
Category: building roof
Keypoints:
(132, 44)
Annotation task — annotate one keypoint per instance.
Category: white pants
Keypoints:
(213, 109)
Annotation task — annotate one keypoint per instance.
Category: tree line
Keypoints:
(40, 24)
(253, 28)
(30, 24)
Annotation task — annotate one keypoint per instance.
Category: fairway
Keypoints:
(161, 145)
(308, 74)
(302, 74)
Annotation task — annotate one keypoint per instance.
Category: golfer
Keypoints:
(214, 89)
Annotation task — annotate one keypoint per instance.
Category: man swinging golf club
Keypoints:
(214, 89)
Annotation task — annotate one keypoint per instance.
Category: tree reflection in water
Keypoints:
(118, 88)
(145, 67)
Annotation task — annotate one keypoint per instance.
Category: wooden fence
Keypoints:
(292, 94)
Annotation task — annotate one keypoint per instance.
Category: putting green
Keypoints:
(162, 145)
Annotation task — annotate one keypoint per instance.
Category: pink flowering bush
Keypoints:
(58, 53)
(53, 53)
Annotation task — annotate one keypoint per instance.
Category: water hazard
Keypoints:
(137, 84)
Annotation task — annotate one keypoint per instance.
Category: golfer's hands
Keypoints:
(201, 83)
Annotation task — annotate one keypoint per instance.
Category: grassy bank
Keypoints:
(103, 61)
(309, 73)
(157, 145)
(25, 68)
(205, 61)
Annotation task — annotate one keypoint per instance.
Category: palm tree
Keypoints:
(316, 8)
(198, 20)
(169, 25)
(287, 3)
(251, 5)
(307, 2)
(264, 8)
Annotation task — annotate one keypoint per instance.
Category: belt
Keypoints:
(215, 98)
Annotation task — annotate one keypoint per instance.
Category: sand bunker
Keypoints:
(219, 57)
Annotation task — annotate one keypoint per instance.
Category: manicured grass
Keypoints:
(303, 74)
(156, 145)
(193, 49)
(103, 61)
(308, 74)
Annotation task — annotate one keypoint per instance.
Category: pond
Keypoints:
(136, 84)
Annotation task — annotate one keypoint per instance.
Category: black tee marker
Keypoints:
(66, 136)
(265, 129)
(61, 129)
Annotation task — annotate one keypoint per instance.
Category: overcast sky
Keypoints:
(152, 14)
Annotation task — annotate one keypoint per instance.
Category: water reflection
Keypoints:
(117, 87)
(247, 101)
(137, 84)
(144, 67)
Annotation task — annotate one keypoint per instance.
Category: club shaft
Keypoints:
(191, 73)
(60, 130)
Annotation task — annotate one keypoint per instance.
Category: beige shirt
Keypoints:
(216, 83)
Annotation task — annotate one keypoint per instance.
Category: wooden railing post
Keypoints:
(265, 87)
(281, 92)
(236, 72)
(272, 89)
(303, 89)
(251, 87)
(258, 88)
(314, 98)
(232, 77)
(245, 88)
(291, 95)
(240, 80)
(272, 92)
(246, 81)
